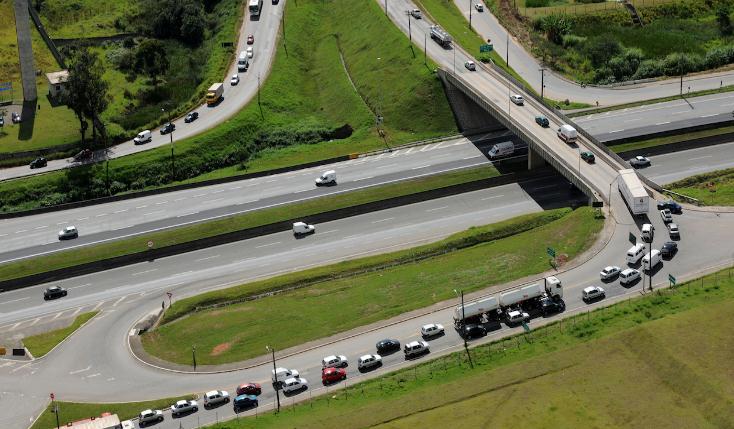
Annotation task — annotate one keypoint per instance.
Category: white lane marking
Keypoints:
(80, 286)
(16, 325)
(36, 320)
(301, 191)
(407, 152)
(363, 178)
(214, 200)
(180, 274)
(80, 370)
(144, 272)
(491, 198)
(235, 188)
(62, 223)
(247, 202)
(700, 157)
(394, 154)
(132, 333)
(663, 123)
(426, 147)
(545, 187)
(83, 218)
(100, 215)
(119, 301)
(152, 213)
(3, 235)
(382, 220)
(187, 214)
(616, 131)
(181, 199)
(328, 232)
(271, 181)
(41, 227)
(99, 304)
(161, 202)
(21, 367)
(388, 165)
(121, 211)
(252, 184)
(176, 284)
(57, 315)
(266, 245)
(422, 166)
(198, 195)
(141, 207)
(93, 375)
(218, 191)
(111, 379)
(708, 116)
(76, 312)
(437, 208)
(15, 300)
(21, 231)
(471, 157)
(633, 120)
(207, 258)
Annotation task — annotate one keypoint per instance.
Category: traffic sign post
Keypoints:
(552, 253)
(486, 48)
(671, 279)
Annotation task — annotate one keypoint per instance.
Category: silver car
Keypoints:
(68, 232)
(150, 416)
(369, 361)
(609, 272)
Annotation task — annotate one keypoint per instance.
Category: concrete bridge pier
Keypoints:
(535, 160)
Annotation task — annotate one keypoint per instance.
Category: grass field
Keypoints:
(638, 363)
(712, 189)
(235, 223)
(73, 411)
(41, 344)
(70, 19)
(334, 303)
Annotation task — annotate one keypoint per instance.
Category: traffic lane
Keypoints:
(670, 167)
(41, 229)
(616, 131)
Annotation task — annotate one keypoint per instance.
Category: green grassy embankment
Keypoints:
(663, 360)
(712, 189)
(339, 297)
(239, 222)
(41, 344)
(306, 97)
(661, 141)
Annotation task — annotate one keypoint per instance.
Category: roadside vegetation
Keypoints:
(43, 343)
(252, 219)
(74, 411)
(327, 300)
(711, 189)
(319, 102)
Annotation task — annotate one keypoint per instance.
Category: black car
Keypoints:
(551, 306)
(473, 331)
(191, 117)
(669, 248)
(168, 128)
(671, 205)
(39, 162)
(542, 121)
(54, 292)
(387, 346)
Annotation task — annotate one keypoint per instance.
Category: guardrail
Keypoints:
(691, 200)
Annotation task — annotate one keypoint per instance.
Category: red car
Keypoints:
(333, 375)
(250, 39)
(249, 389)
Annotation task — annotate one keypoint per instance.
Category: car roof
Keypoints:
(628, 270)
(591, 288)
(330, 357)
(241, 397)
(366, 357)
(146, 411)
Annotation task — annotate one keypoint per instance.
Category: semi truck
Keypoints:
(441, 36)
(633, 193)
(214, 94)
(535, 296)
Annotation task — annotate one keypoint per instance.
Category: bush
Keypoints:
(556, 26)
(590, 1)
(601, 49)
(677, 64)
(624, 66)
(537, 3)
(649, 69)
(570, 40)
(719, 56)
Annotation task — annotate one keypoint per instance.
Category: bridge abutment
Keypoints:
(535, 160)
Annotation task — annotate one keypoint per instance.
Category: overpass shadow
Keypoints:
(27, 120)
(552, 191)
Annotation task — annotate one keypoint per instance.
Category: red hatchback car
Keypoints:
(249, 389)
(332, 375)
(250, 39)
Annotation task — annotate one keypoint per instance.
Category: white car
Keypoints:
(515, 317)
(302, 228)
(68, 232)
(415, 348)
(334, 361)
(479, 7)
(235, 80)
(609, 272)
(640, 161)
(184, 406)
(431, 330)
(517, 99)
(150, 416)
(592, 292)
(250, 52)
(666, 215)
(369, 361)
(281, 374)
(215, 397)
(470, 65)
(294, 384)
(416, 13)
(673, 230)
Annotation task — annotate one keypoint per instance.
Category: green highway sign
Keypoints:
(551, 252)
(525, 327)
(485, 48)
(671, 279)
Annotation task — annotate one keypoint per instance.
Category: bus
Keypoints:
(255, 7)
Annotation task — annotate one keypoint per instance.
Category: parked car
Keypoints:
(542, 121)
(592, 293)
(387, 346)
(517, 99)
(68, 232)
(294, 385)
(588, 157)
(669, 249)
(516, 317)
(431, 330)
(369, 361)
(244, 402)
(479, 7)
(83, 155)
(470, 65)
(666, 216)
(640, 161)
(183, 407)
(235, 80)
(54, 292)
(39, 162)
(415, 348)
(609, 272)
(671, 205)
(673, 230)
(168, 128)
(249, 389)
(250, 39)
(416, 13)
(473, 331)
(215, 397)
(333, 375)
(334, 362)
(191, 117)
(250, 52)
(150, 416)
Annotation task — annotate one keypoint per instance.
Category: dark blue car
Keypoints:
(243, 402)
(671, 205)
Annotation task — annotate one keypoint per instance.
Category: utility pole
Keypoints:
(277, 389)
(385, 7)
(193, 355)
(425, 48)
(470, 14)
(507, 52)
(542, 82)
(410, 34)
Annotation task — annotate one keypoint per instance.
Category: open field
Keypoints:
(41, 344)
(711, 189)
(337, 298)
(235, 223)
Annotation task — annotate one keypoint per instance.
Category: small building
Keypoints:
(57, 82)
(105, 421)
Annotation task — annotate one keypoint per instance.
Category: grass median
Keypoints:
(332, 299)
(713, 189)
(662, 141)
(252, 219)
(41, 344)
(634, 364)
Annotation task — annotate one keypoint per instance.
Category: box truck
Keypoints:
(633, 193)
(214, 94)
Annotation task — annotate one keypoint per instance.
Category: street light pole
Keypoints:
(173, 159)
(469, 14)
(277, 390)
(193, 355)
(542, 82)
(410, 33)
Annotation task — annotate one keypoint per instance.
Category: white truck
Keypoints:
(501, 149)
(516, 297)
(567, 133)
(214, 94)
(441, 36)
(633, 192)
(243, 62)
(473, 311)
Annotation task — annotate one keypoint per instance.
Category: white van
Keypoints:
(567, 133)
(635, 253)
(651, 259)
(143, 137)
(628, 276)
(501, 149)
(647, 231)
(302, 228)
(326, 178)
(280, 374)
(243, 62)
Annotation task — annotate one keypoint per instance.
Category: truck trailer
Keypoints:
(473, 311)
(441, 36)
(214, 94)
(634, 194)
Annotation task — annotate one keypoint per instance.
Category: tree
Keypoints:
(183, 20)
(151, 57)
(723, 19)
(556, 26)
(86, 91)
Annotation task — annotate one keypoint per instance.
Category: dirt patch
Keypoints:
(220, 348)
(515, 23)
